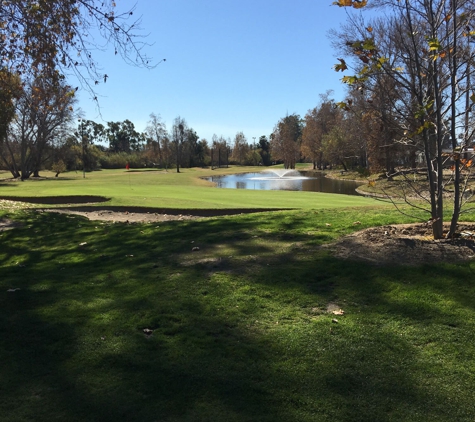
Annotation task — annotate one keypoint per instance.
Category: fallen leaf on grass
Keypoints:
(338, 312)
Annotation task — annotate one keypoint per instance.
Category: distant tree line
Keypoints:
(377, 128)
(45, 133)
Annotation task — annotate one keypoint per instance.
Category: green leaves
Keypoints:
(350, 80)
(365, 50)
(436, 48)
(423, 111)
(341, 66)
(342, 105)
(434, 44)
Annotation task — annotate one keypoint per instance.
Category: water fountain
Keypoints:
(279, 174)
(284, 179)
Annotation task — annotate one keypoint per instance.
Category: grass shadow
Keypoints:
(249, 339)
(55, 200)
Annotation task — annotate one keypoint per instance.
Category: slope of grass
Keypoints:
(240, 327)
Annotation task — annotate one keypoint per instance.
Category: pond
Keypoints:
(285, 180)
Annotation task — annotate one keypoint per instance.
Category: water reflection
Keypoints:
(294, 181)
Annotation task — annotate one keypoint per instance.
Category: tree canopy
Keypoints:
(58, 36)
(414, 63)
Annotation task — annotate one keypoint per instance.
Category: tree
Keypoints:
(58, 167)
(69, 152)
(123, 137)
(219, 152)
(240, 148)
(423, 48)
(264, 150)
(338, 146)
(95, 133)
(204, 153)
(285, 140)
(42, 111)
(49, 39)
(372, 126)
(312, 139)
(156, 133)
(11, 89)
(56, 37)
(318, 122)
(192, 148)
(178, 137)
(88, 134)
(167, 151)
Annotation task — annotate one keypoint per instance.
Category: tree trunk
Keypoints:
(178, 157)
(454, 85)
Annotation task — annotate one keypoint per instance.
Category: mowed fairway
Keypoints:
(160, 189)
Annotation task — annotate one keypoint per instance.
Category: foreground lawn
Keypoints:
(240, 328)
(160, 189)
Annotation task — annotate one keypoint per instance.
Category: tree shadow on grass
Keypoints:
(66, 362)
(84, 362)
(238, 345)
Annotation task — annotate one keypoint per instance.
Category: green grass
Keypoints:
(160, 189)
(241, 331)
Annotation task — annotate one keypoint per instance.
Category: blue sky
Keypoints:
(230, 65)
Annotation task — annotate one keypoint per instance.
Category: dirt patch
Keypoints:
(148, 215)
(123, 216)
(405, 244)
